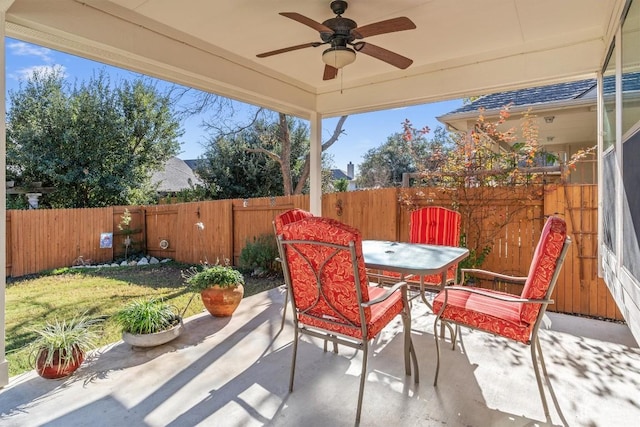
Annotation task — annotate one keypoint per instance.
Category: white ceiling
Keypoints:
(460, 48)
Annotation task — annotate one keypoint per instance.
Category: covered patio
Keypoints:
(235, 372)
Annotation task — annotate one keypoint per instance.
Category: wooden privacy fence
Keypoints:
(218, 231)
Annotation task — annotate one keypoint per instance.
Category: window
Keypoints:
(631, 138)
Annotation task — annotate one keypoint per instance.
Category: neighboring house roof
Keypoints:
(568, 110)
(557, 93)
(340, 174)
(177, 175)
(529, 96)
(192, 163)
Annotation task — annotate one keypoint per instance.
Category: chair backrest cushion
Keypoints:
(288, 217)
(322, 278)
(435, 225)
(543, 265)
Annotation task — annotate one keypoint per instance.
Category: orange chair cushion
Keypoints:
(543, 266)
(381, 315)
(435, 225)
(484, 313)
(290, 216)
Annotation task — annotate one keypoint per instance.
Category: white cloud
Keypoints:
(26, 49)
(43, 70)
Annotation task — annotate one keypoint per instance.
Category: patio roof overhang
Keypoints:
(458, 49)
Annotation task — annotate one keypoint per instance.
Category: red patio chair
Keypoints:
(280, 221)
(507, 315)
(433, 225)
(331, 298)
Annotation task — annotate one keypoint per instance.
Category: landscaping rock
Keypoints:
(142, 260)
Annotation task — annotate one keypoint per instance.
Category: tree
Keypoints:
(477, 173)
(404, 152)
(341, 185)
(267, 158)
(96, 143)
(231, 172)
(274, 135)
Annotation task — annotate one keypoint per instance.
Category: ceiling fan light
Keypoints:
(338, 56)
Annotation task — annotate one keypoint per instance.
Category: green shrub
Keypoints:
(261, 254)
(221, 275)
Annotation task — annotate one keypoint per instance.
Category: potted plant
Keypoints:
(220, 286)
(148, 322)
(61, 346)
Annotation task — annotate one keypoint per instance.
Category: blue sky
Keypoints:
(361, 132)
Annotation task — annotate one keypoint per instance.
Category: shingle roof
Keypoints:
(529, 96)
(192, 163)
(176, 176)
(339, 174)
(545, 94)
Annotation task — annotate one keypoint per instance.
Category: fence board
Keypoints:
(215, 241)
(373, 212)
(7, 244)
(255, 218)
(161, 223)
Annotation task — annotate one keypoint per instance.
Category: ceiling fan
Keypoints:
(341, 34)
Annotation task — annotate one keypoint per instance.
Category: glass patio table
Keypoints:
(412, 259)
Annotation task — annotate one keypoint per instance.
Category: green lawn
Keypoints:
(100, 293)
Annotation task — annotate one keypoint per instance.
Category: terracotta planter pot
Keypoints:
(152, 340)
(222, 302)
(57, 370)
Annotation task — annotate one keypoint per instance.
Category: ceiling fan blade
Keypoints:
(389, 26)
(288, 49)
(384, 55)
(308, 22)
(329, 72)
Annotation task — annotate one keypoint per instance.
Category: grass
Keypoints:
(64, 293)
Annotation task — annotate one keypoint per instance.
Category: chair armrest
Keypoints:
(501, 297)
(493, 274)
(386, 295)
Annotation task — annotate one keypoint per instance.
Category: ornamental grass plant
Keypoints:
(147, 316)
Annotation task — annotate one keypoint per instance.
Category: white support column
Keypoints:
(4, 366)
(600, 110)
(315, 171)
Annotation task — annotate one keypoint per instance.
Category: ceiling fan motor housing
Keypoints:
(341, 29)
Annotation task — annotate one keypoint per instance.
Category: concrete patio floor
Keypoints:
(235, 372)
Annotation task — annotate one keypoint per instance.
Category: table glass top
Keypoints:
(411, 258)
